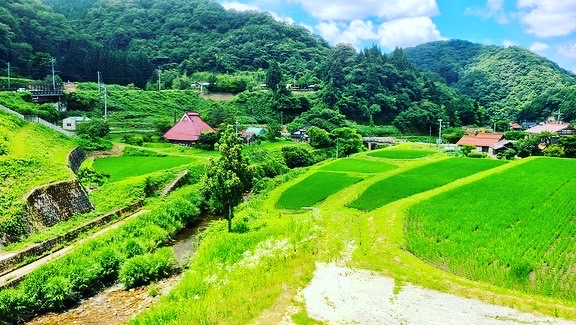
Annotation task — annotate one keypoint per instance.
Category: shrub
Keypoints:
(297, 157)
(146, 268)
(477, 154)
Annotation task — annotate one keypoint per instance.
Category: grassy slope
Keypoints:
(255, 276)
(36, 156)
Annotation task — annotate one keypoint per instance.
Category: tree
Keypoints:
(95, 128)
(227, 178)
(319, 138)
(274, 77)
(347, 140)
(296, 156)
(569, 146)
(273, 130)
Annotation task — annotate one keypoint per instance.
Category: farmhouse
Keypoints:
(187, 130)
(554, 128)
(484, 142)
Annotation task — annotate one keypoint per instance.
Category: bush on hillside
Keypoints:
(297, 157)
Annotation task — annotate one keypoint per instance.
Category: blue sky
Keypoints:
(547, 27)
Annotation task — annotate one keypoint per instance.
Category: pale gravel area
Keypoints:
(340, 295)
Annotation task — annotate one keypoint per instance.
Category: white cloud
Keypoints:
(508, 43)
(234, 5)
(353, 33)
(285, 19)
(539, 47)
(493, 9)
(361, 9)
(568, 50)
(547, 18)
(408, 32)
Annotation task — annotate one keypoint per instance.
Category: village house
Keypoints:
(72, 122)
(187, 130)
(484, 142)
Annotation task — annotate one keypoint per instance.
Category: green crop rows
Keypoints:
(359, 166)
(419, 180)
(514, 229)
(314, 189)
(127, 166)
(401, 153)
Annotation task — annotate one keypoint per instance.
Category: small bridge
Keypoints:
(374, 142)
(47, 93)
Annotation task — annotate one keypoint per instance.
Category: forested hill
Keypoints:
(128, 40)
(503, 80)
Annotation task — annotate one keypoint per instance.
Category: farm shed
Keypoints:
(484, 142)
(255, 131)
(70, 123)
(187, 130)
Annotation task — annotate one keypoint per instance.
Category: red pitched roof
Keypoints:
(480, 140)
(188, 129)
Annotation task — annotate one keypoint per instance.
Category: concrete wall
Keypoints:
(50, 204)
(75, 159)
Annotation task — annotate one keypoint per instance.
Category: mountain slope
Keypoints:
(501, 79)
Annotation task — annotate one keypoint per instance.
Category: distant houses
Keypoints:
(187, 130)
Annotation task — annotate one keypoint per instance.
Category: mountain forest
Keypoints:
(154, 45)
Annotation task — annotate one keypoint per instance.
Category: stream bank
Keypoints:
(115, 305)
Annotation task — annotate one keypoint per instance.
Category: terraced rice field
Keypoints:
(120, 168)
(515, 229)
(359, 166)
(418, 180)
(314, 189)
(401, 153)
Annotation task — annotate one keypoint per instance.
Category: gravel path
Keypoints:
(339, 295)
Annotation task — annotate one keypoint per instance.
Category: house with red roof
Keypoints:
(187, 130)
(484, 142)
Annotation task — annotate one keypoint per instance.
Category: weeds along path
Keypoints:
(379, 240)
(18, 274)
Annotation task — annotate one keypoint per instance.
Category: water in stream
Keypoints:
(115, 305)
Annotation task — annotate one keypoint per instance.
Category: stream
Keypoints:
(114, 305)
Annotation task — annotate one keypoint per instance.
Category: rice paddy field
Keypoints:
(314, 189)
(402, 154)
(359, 166)
(514, 229)
(122, 167)
(418, 180)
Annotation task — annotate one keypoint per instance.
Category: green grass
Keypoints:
(359, 166)
(394, 153)
(419, 180)
(314, 189)
(514, 229)
(120, 168)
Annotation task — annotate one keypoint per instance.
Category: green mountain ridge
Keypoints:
(502, 79)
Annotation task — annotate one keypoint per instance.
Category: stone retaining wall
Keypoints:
(50, 204)
(75, 159)
(40, 249)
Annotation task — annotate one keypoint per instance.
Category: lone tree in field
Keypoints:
(227, 178)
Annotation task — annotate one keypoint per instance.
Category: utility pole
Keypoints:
(439, 132)
(99, 83)
(53, 61)
(159, 73)
(8, 75)
(105, 103)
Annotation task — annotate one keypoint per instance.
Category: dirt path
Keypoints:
(340, 295)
